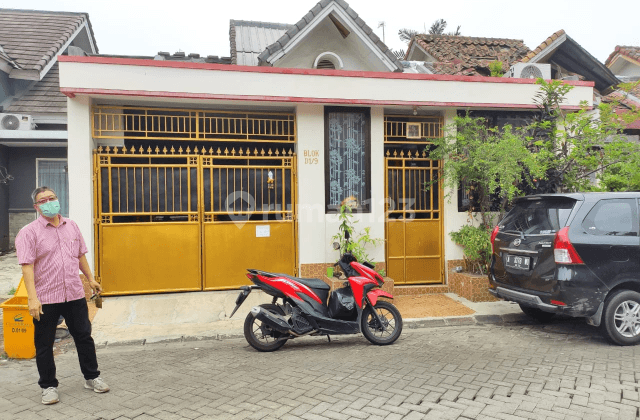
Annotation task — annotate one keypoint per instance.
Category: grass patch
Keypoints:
(12, 291)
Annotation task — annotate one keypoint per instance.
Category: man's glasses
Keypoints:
(46, 200)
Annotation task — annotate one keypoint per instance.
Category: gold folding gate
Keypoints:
(170, 220)
(413, 228)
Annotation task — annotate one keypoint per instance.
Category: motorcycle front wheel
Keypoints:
(390, 329)
(259, 335)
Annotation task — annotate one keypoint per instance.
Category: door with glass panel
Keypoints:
(53, 173)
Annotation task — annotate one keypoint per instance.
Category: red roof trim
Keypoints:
(312, 72)
(72, 92)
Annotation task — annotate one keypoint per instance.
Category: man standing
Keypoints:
(51, 250)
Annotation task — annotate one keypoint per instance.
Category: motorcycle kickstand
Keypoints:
(329, 337)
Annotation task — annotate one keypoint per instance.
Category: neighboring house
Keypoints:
(624, 62)
(464, 55)
(184, 172)
(567, 60)
(33, 112)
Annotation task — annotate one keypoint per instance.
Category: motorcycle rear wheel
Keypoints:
(391, 320)
(261, 337)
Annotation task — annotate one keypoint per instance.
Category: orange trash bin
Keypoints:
(18, 325)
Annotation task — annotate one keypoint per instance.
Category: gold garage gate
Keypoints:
(194, 218)
(414, 228)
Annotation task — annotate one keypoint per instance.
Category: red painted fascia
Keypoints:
(310, 72)
(72, 92)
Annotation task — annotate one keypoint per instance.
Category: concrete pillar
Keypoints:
(453, 220)
(80, 161)
(311, 184)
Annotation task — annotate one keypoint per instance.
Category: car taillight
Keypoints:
(563, 250)
(493, 236)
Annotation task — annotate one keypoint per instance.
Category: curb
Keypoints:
(410, 323)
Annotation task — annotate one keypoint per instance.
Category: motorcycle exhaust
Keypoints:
(277, 322)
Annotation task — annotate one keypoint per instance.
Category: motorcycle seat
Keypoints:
(312, 283)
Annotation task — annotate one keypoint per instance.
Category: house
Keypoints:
(464, 55)
(184, 172)
(624, 62)
(568, 60)
(33, 111)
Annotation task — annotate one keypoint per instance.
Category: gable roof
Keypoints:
(628, 51)
(248, 39)
(561, 49)
(468, 56)
(43, 98)
(32, 38)
(288, 37)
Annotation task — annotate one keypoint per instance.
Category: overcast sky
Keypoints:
(144, 27)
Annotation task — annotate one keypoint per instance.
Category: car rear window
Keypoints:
(538, 217)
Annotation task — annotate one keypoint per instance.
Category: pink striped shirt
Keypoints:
(54, 253)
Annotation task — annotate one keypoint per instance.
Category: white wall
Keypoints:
(355, 55)
(315, 227)
(271, 85)
(622, 67)
(312, 241)
(80, 161)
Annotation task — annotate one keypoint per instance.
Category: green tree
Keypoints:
(491, 161)
(573, 147)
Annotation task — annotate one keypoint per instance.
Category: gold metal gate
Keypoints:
(189, 220)
(249, 219)
(414, 229)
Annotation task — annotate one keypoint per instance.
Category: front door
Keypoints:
(413, 219)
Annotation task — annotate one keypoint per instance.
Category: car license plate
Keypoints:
(518, 262)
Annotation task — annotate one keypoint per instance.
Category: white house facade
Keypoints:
(253, 146)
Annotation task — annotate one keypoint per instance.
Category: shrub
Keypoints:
(476, 245)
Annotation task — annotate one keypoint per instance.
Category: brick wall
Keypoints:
(473, 287)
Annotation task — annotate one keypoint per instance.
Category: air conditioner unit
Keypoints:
(16, 122)
(530, 71)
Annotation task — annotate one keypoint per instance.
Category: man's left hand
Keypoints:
(95, 286)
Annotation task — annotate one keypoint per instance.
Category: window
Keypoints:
(612, 218)
(538, 217)
(347, 158)
(52, 173)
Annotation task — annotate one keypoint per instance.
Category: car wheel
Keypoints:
(537, 314)
(621, 318)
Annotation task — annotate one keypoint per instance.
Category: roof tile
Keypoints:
(628, 51)
(543, 45)
(43, 97)
(40, 33)
(463, 55)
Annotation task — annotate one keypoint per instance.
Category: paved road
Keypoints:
(514, 371)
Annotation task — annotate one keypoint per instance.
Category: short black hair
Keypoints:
(40, 190)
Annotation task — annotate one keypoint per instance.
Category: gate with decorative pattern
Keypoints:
(185, 218)
(414, 201)
(414, 220)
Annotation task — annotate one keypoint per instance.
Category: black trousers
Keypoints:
(76, 315)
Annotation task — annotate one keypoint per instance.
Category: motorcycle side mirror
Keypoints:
(336, 246)
(346, 235)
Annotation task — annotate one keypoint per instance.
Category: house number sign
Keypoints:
(311, 157)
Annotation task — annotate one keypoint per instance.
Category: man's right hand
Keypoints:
(35, 308)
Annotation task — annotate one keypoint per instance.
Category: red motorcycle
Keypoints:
(307, 307)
